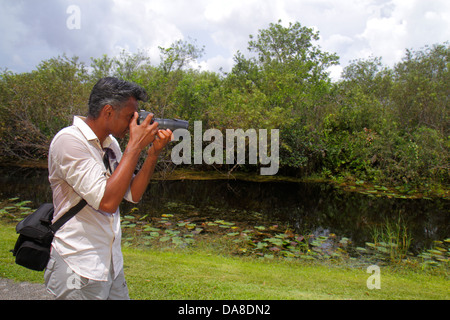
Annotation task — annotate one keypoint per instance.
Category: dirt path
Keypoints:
(10, 290)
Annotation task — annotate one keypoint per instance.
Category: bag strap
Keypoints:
(68, 215)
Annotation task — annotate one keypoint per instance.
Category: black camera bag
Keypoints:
(32, 249)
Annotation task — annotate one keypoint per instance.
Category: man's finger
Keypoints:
(134, 119)
(148, 119)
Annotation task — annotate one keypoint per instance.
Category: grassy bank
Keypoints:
(163, 275)
(202, 274)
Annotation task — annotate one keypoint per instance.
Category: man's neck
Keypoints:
(96, 128)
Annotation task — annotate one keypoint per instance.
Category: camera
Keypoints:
(171, 124)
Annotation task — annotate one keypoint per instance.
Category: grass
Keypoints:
(198, 273)
(169, 275)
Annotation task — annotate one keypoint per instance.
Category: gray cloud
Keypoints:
(33, 31)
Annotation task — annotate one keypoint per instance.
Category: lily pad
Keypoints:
(233, 234)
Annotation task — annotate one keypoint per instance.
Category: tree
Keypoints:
(36, 105)
(364, 97)
(293, 69)
(101, 67)
(370, 76)
(292, 47)
(283, 84)
(127, 66)
(422, 87)
(179, 55)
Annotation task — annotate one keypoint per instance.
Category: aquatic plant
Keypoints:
(438, 255)
(13, 210)
(391, 241)
(182, 227)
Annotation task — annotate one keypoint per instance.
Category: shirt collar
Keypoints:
(79, 122)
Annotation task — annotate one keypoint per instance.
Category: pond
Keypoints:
(305, 207)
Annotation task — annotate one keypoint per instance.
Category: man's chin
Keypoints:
(120, 136)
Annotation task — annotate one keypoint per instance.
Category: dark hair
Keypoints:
(114, 92)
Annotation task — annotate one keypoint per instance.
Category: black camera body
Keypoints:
(171, 124)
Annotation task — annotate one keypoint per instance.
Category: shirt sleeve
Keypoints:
(116, 148)
(81, 168)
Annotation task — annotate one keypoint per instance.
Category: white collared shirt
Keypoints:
(91, 240)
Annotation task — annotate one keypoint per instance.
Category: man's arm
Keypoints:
(117, 185)
(142, 179)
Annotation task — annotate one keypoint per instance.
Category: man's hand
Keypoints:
(162, 138)
(144, 134)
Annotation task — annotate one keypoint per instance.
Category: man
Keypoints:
(85, 162)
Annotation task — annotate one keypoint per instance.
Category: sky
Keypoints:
(33, 31)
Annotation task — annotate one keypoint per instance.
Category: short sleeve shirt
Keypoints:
(91, 240)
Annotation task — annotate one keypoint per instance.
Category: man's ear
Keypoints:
(107, 111)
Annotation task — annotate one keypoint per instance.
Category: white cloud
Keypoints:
(384, 28)
(218, 11)
(139, 25)
(231, 22)
(385, 37)
(33, 31)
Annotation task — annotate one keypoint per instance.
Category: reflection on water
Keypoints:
(305, 207)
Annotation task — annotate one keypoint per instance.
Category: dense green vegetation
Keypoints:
(385, 125)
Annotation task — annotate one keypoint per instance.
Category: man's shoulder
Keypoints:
(67, 133)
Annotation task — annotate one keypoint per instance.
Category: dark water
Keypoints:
(306, 207)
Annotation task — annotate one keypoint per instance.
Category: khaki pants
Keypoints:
(65, 284)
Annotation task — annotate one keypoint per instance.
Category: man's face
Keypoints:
(122, 118)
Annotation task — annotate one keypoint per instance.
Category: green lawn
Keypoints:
(202, 275)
